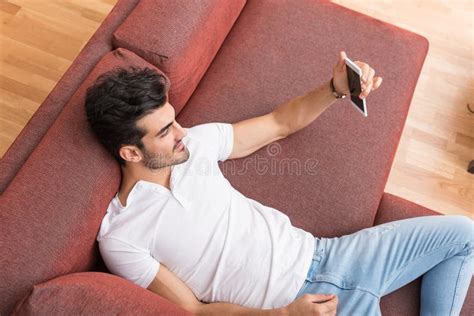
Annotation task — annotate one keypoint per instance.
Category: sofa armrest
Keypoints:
(393, 208)
(94, 293)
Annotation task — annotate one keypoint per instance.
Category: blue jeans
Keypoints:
(362, 267)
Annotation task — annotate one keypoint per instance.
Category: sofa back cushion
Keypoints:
(179, 37)
(51, 212)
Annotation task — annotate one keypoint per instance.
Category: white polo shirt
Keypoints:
(223, 245)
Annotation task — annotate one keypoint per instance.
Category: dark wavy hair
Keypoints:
(118, 99)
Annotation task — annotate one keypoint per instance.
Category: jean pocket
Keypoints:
(340, 282)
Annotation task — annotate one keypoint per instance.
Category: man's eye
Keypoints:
(165, 132)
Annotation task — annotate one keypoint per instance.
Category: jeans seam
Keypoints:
(396, 273)
(341, 284)
(456, 292)
(343, 288)
(368, 291)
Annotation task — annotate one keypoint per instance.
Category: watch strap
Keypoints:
(335, 93)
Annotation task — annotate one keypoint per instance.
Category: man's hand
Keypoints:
(313, 304)
(369, 82)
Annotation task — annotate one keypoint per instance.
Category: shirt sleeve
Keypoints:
(129, 262)
(218, 137)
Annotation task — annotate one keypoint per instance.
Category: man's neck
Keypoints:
(131, 175)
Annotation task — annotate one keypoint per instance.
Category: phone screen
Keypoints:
(353, 79)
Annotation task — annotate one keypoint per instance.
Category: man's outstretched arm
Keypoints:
(169, 286)
(302, 110)
(254, 133)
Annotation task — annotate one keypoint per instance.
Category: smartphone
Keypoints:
(354, 74)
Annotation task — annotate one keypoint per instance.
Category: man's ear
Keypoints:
(130, 153)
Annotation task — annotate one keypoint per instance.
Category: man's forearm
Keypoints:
(233, 309)
(302, 110)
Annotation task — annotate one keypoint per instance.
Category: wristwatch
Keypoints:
(335, 93)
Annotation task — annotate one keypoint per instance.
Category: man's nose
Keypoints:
(182, 131)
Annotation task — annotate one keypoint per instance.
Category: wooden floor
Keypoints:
(438, 140)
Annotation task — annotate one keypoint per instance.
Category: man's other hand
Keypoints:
(369, 81)
(313, 304)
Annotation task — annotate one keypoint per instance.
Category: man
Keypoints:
(180, 229)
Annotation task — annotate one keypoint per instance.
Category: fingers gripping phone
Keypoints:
(354, 73)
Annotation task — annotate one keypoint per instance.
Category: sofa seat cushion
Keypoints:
(51, 211)
(94, 293)
(179, 37)
(330, 176)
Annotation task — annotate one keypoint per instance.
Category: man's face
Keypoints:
(163, 144)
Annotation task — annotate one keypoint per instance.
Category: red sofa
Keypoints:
(227, 61)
